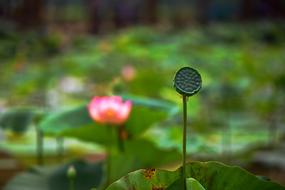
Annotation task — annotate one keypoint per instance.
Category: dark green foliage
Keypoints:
(87, 175)
(55, 178)
(16, 120)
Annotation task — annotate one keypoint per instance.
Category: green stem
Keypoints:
(60, 147)
(230, 141)
(108, 159)
(184, 140)
(120, 138)
(108, 170)
(40, 144)
(71, 183)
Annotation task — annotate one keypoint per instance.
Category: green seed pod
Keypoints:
(187, 81)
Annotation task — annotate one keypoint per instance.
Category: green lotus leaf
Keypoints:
(205, 175)
(191, 184)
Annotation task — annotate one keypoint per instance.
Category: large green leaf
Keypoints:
(211, 175)
(57, 123)
(55, 178)
(77, 122)
(146, 112)
(193, 184)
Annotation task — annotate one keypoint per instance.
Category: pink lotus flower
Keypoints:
(109, 109)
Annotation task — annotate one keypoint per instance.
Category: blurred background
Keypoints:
(56, 54)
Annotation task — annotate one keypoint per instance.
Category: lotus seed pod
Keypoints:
(187, 81)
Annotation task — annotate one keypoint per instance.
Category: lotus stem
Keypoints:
(120, 138)
(184, 140)
(71, 174)
(60, 147)
(40, 148)
(71, 184)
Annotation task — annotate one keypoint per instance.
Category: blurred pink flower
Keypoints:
(109, 109)
(128, 73)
